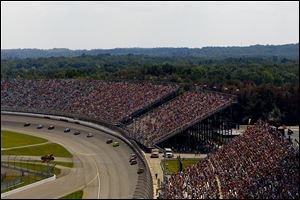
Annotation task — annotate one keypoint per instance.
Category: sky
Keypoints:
(105, 25)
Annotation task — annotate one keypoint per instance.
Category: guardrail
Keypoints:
(144, 187)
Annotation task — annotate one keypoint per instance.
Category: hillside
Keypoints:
(287, 51)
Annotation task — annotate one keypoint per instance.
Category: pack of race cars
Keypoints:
(66, 130)
(133, 157)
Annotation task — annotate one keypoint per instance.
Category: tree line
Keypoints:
(287, 50)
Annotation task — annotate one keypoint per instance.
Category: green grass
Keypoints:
(9, 178)
(30, 178)
(41, 150)
(25, 181)
(74, 195)
(13, 139)
(65, 164)
(35, 167)
(172, 166)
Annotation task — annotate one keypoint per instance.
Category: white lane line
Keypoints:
(76, 152)
(98, 175)
(79, 188)
(92, 180)
(25, 146)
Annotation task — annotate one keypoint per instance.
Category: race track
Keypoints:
(101, 170)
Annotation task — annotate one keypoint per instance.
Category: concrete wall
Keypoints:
(52, 178)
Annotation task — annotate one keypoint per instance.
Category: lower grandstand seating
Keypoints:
(101, 100)
(259, 164)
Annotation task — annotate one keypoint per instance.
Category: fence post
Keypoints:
(15, 162)
(22, 172)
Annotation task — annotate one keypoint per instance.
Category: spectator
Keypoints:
(259, 164)
(179, 112)
(104, 101)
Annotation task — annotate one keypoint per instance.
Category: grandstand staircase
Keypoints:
(217, 179)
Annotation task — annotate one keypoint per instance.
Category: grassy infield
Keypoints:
(74, 195)
(12, 139)
(172, 166)
(41, 150)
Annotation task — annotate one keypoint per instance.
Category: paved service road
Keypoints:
(101, 170)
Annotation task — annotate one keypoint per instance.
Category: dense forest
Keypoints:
(267, 88)
(287, 51)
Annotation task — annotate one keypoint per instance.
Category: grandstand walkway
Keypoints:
(155, 168)
(217, 179)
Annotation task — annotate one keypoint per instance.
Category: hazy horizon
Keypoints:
(109, 25)
(151, 47)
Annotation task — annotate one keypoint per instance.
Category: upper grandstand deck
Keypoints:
(104, 101)
(176, 115)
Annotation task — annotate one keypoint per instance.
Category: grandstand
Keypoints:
(111, 102)
(196, 116)
(152, 114)
(260, 164)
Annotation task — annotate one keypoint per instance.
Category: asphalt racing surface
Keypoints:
(100, 170)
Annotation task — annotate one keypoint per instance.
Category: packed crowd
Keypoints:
(195, 182)
(176, 114)
(199, 147)
(260, 164)
(100, 100)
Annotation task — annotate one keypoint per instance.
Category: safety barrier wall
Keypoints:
(52, 178)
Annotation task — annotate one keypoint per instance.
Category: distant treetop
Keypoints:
(288, 51)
